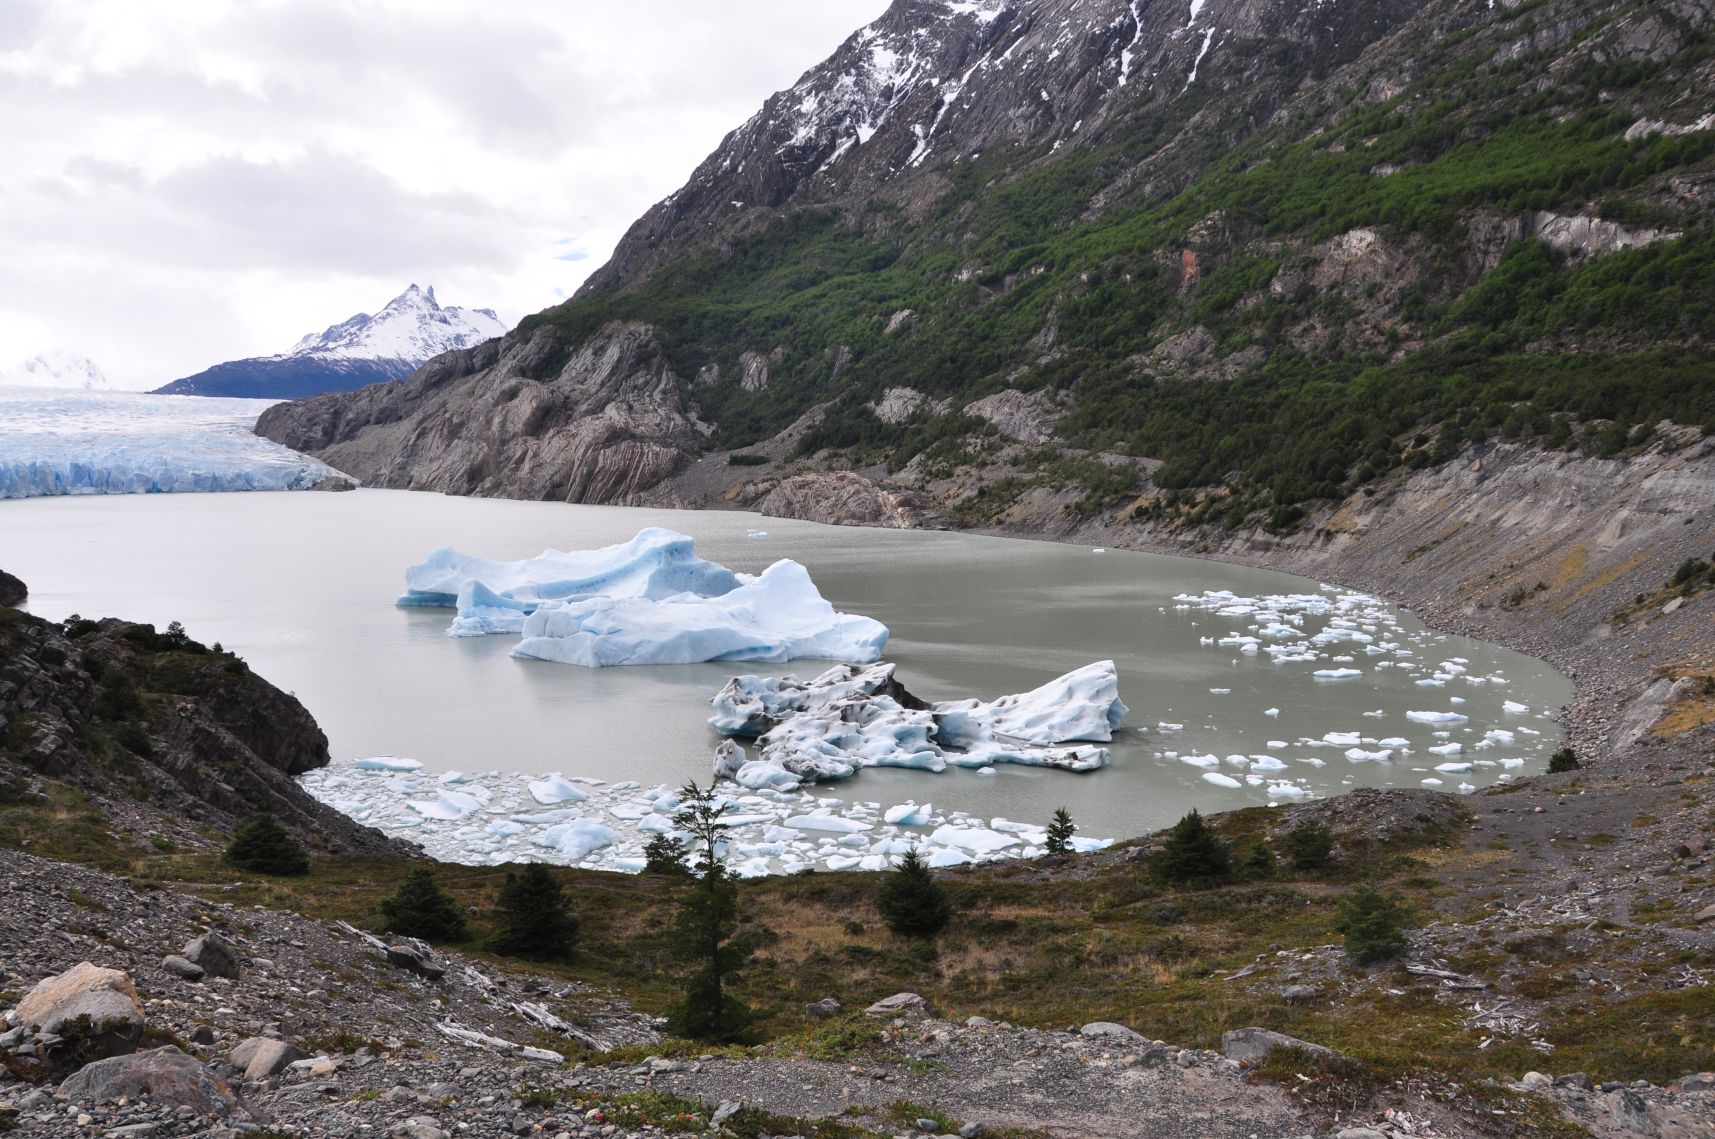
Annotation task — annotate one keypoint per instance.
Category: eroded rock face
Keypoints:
(841, 498)
(1029, 417)
(528, 417)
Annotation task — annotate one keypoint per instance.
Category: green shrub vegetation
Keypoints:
(911, 902)
(533, 917)
(1563, 760)
(1194, 854)
(262, 845)
(1374, 925)
(1309, 845)
(421, 908)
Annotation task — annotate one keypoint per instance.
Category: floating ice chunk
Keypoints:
(1283, 790)
(833, 823)
(1453, 768)
(1277, 743)
(1266, 763)
(1220, 691)
(655, 564)
(1201, 760)
(1430, 782)
(388, 763)
(1394, 742)
(451, 805)
(778, 616)
(1359, 755)
(1430, 682)
(1514, 708)
(1343, 739)
(978, 840)
(1220, 780)
(1436, 717)
(1081, 705)
(1167, 727)
(577, 840)
(554, 789)
(1337, 673)
(946, 856)
(873, 862)
(1271, 712)
(1499, 736)
(1447, 749)
(909, 815)
(1512, 763)
(1083, 845)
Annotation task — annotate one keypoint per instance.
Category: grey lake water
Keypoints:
(302, 585)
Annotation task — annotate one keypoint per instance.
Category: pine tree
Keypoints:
(911, 902)
(1309, 845)
(1374, 925)
(1259, 863)
(705, 929)
(262, 845)
(1194, 853)
(1562, 761)
(533, 918)
(664, 854)
(1060, 831)
(420, 908)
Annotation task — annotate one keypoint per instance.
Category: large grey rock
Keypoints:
(901, 1004)
(1243, 1044)
(94, 1011)
(415, 957)
(181, 968)
(214, 954)
(262, 1056)
(1107, 1029)
(171, 1079)
(822, 1009)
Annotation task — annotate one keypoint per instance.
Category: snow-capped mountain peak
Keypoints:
(56, 369)
(412, 326)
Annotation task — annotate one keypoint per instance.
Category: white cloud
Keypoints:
(197, 180)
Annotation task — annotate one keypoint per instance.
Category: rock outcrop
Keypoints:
(12, 591)
(157, 725)
(532, 416)
(842, 498)
(170, 1078)
(83, 1014)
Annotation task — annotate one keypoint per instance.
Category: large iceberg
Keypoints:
(849, 718)
(60, 442)
(495, 597)
(777, 616)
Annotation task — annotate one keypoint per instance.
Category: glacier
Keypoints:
(851, 718)
(56, 442)
(774, 617)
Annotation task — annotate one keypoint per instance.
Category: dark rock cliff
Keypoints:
(155, 725)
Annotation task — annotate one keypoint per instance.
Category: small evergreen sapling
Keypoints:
(1309, 845)
(1194, 853)
(1562, 761)
(1060, 831)
(1374, 925)
(262, 845)
(706, 929)
(664, 854)
(911, 902)
(534, 918)
(421, 908)
(1259, 863)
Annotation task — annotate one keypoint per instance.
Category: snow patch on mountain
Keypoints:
(56, 369)
(412, 326)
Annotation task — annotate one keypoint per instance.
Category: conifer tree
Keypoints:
(421, 908)
(1374, 925)
(706, 928)
(1060, 831)
(262, 845)
(1194, 854)
(911, 902)
(534, 918)
(1259, 863)
(1309, 845)
(664, 854)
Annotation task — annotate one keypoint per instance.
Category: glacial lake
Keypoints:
(302, 585)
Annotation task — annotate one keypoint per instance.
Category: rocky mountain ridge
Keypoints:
(410, 329)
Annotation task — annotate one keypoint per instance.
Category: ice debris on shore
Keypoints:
(651, 600)
(848, 718)
(495, 818)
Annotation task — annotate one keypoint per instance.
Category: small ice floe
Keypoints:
(1514, 708)
(1271, 711)
(1221, 780)
(1337, 673)
(1436, 717)
(388, 763)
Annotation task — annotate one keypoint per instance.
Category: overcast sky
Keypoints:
(190, 181)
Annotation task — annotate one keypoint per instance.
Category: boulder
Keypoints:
(170, 1078)
(901, 1004)
(181, 968)
(214, 954)
(822, 1009)
(262, 1056)
(415, 957)
(94, 1011)
(1107, 1029)
(1243, 1044)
